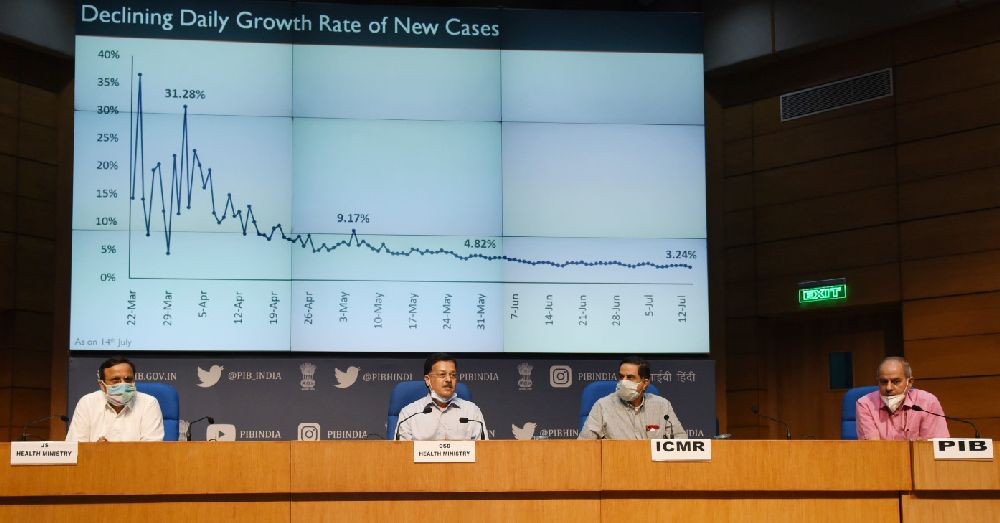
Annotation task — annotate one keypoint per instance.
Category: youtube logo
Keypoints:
(220, 432)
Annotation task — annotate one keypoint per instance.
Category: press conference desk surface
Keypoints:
(552, 480)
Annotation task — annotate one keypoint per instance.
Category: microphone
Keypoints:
(918, 408)
(788, 431)
(670, 426)
(482, 433)
(427, 410)
(187, 433)
(24, 431)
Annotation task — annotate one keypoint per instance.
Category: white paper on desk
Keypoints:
(978, 449)
(44, 452)
(681, 449)
(444, 451)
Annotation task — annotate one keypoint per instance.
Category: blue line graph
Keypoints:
(186, 165)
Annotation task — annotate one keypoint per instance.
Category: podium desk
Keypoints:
(307, 481)
(952, 490)
(245, 481)
(760, 480)
(552, 481)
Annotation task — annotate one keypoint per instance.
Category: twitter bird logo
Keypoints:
(209, 377)
(525, 432)
(346, 378)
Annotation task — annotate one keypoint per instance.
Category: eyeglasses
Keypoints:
(443, 375)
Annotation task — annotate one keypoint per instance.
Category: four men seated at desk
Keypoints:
(117, 412)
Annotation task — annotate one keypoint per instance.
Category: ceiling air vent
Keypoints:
(834, 95)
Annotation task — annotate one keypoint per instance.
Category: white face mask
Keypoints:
(893, 402)
(627, 390)
(119, 394)
(437, 397)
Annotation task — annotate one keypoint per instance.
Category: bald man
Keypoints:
(889, 413)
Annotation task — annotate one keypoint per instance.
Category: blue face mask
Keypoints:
(120, 394)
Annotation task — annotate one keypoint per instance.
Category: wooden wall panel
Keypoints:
(861, 247)
(951, 153)
(742, 335)
(839, 212)
(968, 191)
(746, 372)
(950, 275)
(963, 397)
(36, 180)
(32, 329)
(962, 30)
(35, 266)
(738, 193)
(741, 408)
(950, 113)
(27, 360)
(988, 427)
(971, 314)
(8, 174)
(36, 218)
(7, 264)
(8, 135)
(27, 404)
(868, 130)
(741, 299)
(739, 227)
(955, 234)
(738, 157)
(37, 142)
(37, 105)
(840, 174)
(950, 72)
(8, 97)
(955, 356)
(737, 122)
(740, 264)
(5, 406)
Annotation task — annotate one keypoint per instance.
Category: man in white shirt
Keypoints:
(441, 414)
(117, 412)
(630, 412)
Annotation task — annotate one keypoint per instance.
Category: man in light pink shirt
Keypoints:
(889, 413)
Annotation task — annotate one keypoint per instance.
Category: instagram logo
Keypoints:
(560, 376)
(308, 431)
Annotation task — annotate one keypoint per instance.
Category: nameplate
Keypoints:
(444, 451)
(681, 449)
(43, 452)
(979, 449)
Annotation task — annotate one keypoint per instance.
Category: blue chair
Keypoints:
(406, 392)
(170, 406)
(848, 417)
(597, 390)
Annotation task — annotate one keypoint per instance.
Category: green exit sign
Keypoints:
(829, 290)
